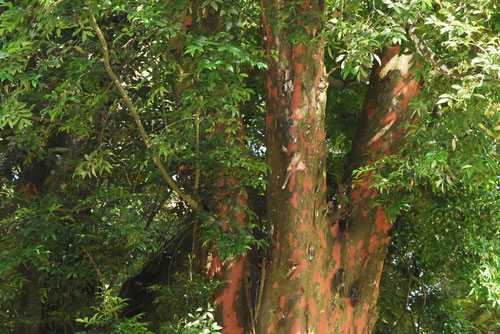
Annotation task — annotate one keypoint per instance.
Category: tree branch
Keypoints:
(133, 112)
(429, 56)
(99, 274)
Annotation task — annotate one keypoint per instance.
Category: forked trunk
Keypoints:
(323, 275)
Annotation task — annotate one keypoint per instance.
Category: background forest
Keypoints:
(136, 161)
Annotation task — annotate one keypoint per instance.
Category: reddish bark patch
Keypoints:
(294, 202)
(240, 217)
(215, 267)
(228, 296)
(381, 222)
(312, 306)
(292, 147)
(373, 243)
(347, 325)
(272, 91)
(375, 147)
(296, 98)
(322, 324)
(335, 229)
(389, 118)
(397, 133)
(297, 327)
(269, 121)
(363, 255)
(356, 196)
(322, 239)
(297, 51)
(321, 135)
(297, 254)
(305, 4)
(370, 113)
(334, 318)
(336, 253)
(188, 20)
(307, 185)
(412, 90)
(360, 322)
(282, 301)
(297, 67)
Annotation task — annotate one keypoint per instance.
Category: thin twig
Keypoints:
(197, 173)
(419, 282)
(248, 296)
(99, 274)
(261, 287)
(407, 302)
(133, 112)
(98, 271)
(91, 206)
(411, 277)
(155, 212)
(413, 323)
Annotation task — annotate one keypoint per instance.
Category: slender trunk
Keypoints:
(231, 297)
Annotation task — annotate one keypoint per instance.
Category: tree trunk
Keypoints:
(363, 236)
(323, 276)
(231, 297)
(295, 297)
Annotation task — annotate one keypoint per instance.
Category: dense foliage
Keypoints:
(85, 194)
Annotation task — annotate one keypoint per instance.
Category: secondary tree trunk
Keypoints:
(362, 236)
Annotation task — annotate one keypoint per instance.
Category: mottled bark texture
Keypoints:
(296, 296)
(231, 297)
(323, 275)
(362, 236)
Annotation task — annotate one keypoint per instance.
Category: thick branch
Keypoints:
(194, 204)
(429, 56)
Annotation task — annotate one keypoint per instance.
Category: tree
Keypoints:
(141, 175)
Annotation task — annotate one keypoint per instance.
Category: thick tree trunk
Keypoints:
(295, 297)
(323, 276)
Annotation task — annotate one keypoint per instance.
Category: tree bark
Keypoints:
(323, 275)
(363, 236)
(295, 297)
